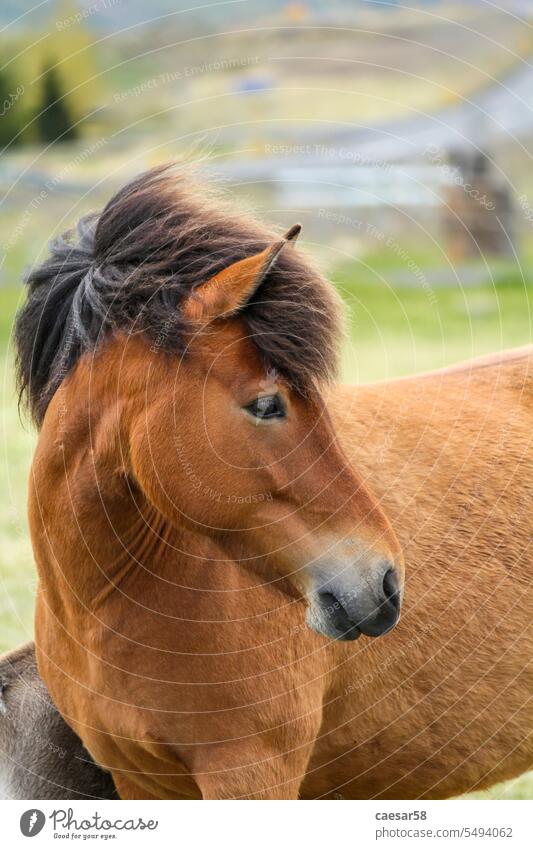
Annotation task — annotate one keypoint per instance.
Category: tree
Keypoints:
(54, 123)
(10, 122)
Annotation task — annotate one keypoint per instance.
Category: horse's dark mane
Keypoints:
(129, 267)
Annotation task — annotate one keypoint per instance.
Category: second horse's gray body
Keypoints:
(40, 756)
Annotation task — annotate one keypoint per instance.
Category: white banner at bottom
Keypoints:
(268, 825)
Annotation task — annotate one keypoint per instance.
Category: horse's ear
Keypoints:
(292, 234)
(230, 289)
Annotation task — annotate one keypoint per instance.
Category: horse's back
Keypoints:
(510, 358)
(516, 364)
(40, 756)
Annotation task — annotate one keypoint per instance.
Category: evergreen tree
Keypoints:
(55, 122)
(10, 122)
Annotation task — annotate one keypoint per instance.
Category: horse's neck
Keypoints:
(118, 556)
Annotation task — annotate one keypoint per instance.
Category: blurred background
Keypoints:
(400, 135)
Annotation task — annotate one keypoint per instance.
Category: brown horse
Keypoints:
(207, 554)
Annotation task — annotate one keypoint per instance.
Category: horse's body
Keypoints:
(183, 557)
(443, 705)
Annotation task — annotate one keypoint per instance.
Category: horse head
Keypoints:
(225, 339)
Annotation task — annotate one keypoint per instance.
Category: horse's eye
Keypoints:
(267, 407)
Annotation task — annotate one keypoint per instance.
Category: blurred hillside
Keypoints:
(356, 109)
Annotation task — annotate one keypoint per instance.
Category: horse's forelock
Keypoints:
(130, 267)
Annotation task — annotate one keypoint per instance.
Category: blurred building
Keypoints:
(478, 211)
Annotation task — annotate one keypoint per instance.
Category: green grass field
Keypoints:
(390, 332)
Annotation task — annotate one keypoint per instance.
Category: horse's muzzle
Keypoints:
(343, 612)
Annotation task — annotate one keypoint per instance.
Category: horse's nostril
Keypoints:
(391, 587)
